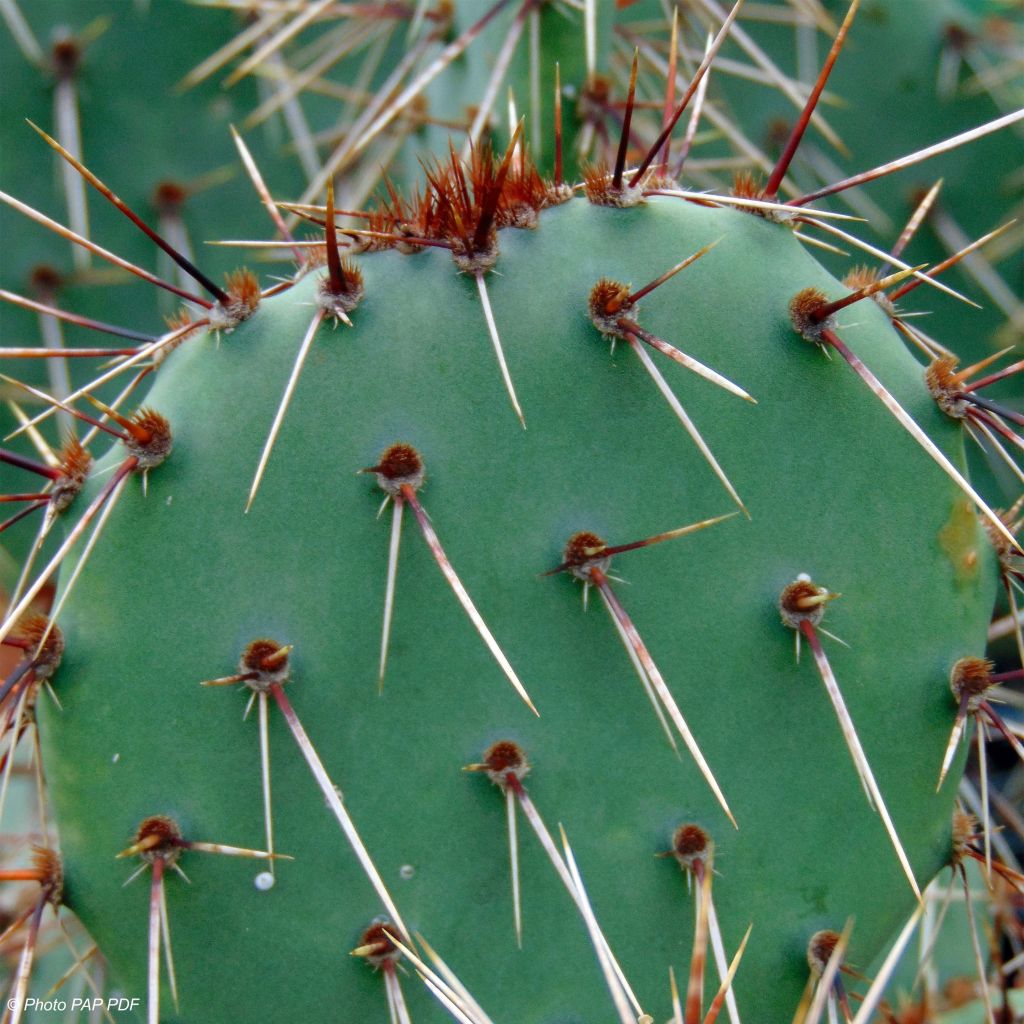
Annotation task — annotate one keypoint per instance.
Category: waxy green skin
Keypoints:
(183, 580)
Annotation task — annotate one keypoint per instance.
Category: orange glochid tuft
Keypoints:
(690, 846)
(352, 275)
(337, 301)
(316, 256)
(243, 299)
(600, 189)
(161, 837)
(820, 950)
(523, 196)
(749, 186)
(805, 313)
(400, 465)
(264, 663)
(583, 547)
(263, 655)
(50, 869)
(47, 658)
(970, 679)
(803, 601)
(243, 287)
(584, 552)
(609, 300)
(179, 320)
(864, 277)
(965, 828)
(461, 206)
(400, 460)
(746, 185)
(414, 217)
(501, 760)
(861, 276)
(376, 946)
(75, 463)
(149, 437)
(941, 380)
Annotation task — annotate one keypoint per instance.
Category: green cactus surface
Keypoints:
(182, 580)
(540, 436)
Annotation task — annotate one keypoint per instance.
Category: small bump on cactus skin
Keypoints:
(504, 498)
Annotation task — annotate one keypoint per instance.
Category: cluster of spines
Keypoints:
(463, 215)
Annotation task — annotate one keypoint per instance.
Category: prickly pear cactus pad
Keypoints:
(183, 579)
